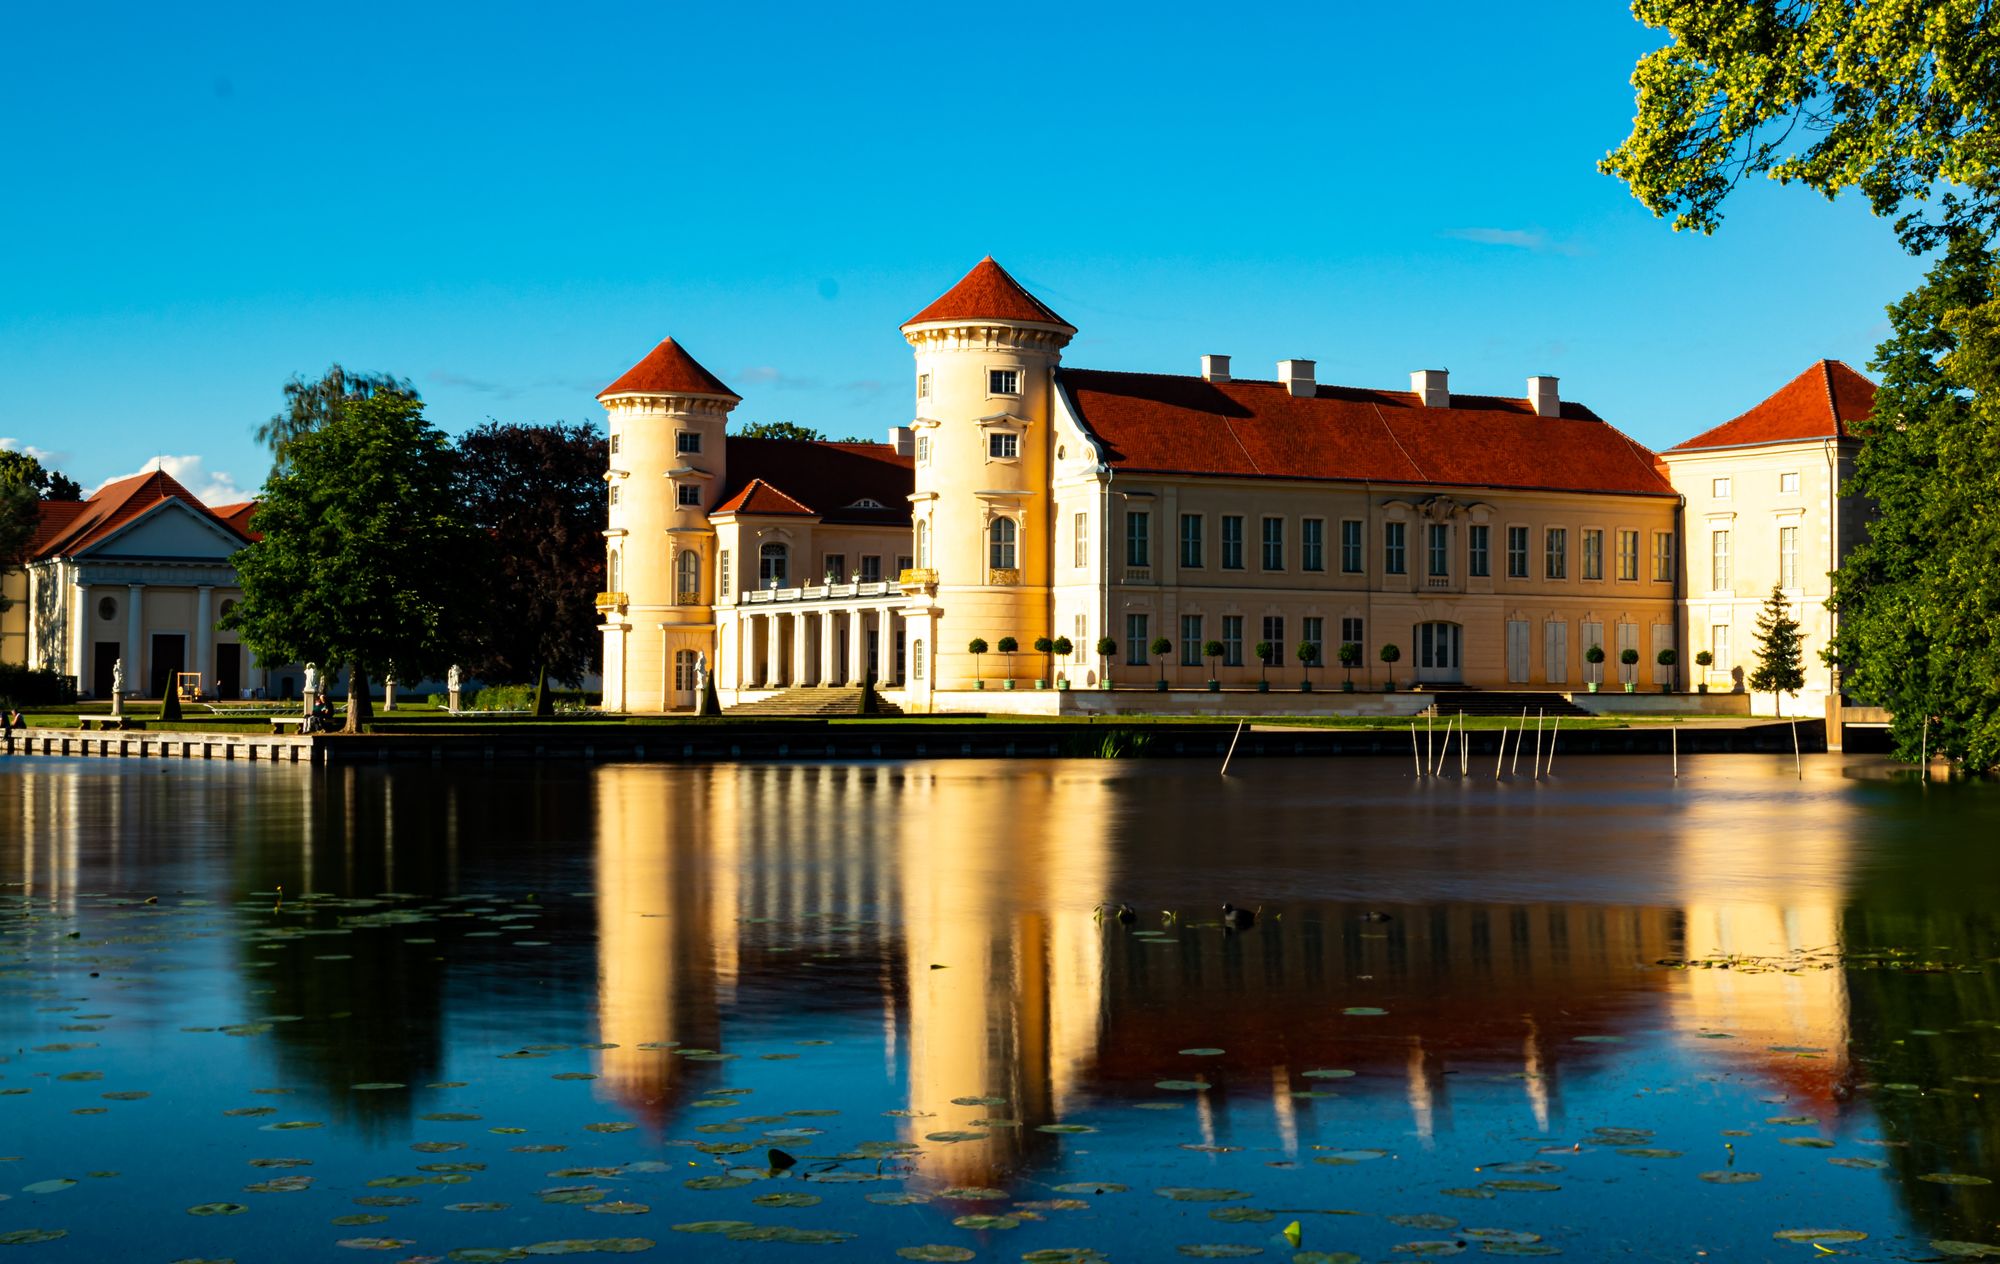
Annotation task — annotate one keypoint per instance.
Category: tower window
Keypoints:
(923, 449)
(772, 566)
(688, 494)
(614, 444)
(1003, 381)
(614, 493)
(1001, 537)
(923, 386)
(687, 441)
(1003, 445)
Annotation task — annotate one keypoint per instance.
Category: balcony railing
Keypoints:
(820, 592)
(1138, 574)
(1438, 581)
(612, 601)
(918, 575)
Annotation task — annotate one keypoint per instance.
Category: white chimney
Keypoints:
(1215, 368)
(1432, 387)
(1297, 375)
(1542, 396)
(903, 439)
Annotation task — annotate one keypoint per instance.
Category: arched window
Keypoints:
(614, 572)
(772, 565)
(687, 578)
(923, 547)
(1002, 534)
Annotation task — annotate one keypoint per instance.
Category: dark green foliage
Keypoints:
(1390, 653)
(1780, 661)
(311, 405)
(35, 686)
(48, 484)
(367, 560)
(24, 484)
(537, 494)
(777, 430)
(1919, 601)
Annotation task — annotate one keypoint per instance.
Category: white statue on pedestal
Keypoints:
(700, 677)
(312, 686)
(454, 681)
(118, 687)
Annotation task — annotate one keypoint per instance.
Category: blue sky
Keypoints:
(510, 204)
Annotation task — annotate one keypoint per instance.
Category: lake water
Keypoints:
(500, 1014)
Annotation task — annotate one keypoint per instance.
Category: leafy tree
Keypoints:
(537, 492)
(1350, 657)
(1918, 602)
(1044, 646)
(1308, 654)
(777, 430)
(1595, 657)
(1265, 652)
(1064, 647)
(1107, 649)
(367, 558)
(1160, 648)
(20, 510)
(48, 484)
(1667, 658)
(312, 405)
(1780, 663)
(1893, 99)
(1630, 658)
(1007, 646)
(1211, 650)
(975, 647)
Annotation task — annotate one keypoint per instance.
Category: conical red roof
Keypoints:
(1817, 404)
(988, 293)
(668, 370)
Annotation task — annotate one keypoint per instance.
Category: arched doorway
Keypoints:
(1440, 653)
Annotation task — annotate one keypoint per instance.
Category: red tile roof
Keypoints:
(70, 527)
(1248, 429)
(828, 480)
(238, 516)
(1817, 404)
(668, 370)
(989, 293)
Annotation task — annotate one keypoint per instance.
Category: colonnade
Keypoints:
(782, 649)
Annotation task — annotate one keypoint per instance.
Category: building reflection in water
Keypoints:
(1006, 1000)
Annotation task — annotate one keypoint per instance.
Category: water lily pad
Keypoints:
(578, 1194)
(358, 1219)
(57, 1185)
(979, 1101)
(1807, 1143)
(1521, 1248)
(935, 1252)
(717, 1182)
(1424, 1220)
(1792, 1121)
(1965, 1250)
(280, 1185)
(974, 1193)
(374, 1244)
(1820, 1235)
(1468, 1192)
(1092, 1187)
(978, 1222)
(1363, 1011)
(1068, 1255)
(1241, 1215)
(1646, 1152)
(1858, 1164)
(712, 1226)
(1528, 1167)
(1511, 1236)
(1202, 1053)
(1220, 1251)
(1065, 1129)
(1953, 1178)
(899, 1199)
(477, 1208)
(1522, 1187)
(1327, 1073)
(1183, 1086)
(1429, 1248)
(584, 1246)
(1201, 1194)
(486, 1254)
(1326, 1257)
(785, 1200)
(622, 1208)
(31, 1237)
(1731, 1177)
(217, 1209)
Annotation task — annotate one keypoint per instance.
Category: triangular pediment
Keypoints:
(170, 528)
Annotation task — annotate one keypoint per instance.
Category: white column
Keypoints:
(135, 653)
(801, 649)
(825, 622)
(774, 652)
(204, 637)
(857, 646)
(887, 619)
(79, 638)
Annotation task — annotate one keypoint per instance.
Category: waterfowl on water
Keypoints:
(1238, 918)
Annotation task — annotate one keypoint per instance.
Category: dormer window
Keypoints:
(1003, 381)
(867, 502)
(688, 441)
(1003, 445)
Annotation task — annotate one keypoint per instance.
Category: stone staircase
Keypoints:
(814, 701)
(1502, 702)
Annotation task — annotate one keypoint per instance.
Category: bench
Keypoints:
(107, 724)
(281, 723)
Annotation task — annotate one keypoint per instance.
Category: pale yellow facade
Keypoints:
(1763, 516)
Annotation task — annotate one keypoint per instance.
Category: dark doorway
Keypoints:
(103, 660)
(229, 672)
(169, 661)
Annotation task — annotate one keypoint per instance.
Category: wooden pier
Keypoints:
(141, 744)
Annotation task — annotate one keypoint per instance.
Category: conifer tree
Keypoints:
(1780, 662)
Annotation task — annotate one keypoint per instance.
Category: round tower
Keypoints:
(667, 466)
(986, 354)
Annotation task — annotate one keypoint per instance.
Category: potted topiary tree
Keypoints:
(1063, 648)
(1008, 645)
(975, 647)
(1212, 650)
(1350, 658)
(1264, 651)
(1389, 655)
(1667, 659)
(1595, 657)
(1160, 648)
(1308, 653)
(1704, 660)
(1107, 649)
(1630, 658)
(1045, 647)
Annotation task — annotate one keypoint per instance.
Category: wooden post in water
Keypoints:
(1924, 749)
(1553, 735)
(1796, 761)
(1538, 743)
(1514, 769)
(1430, 719)
(1416, 758)
(1501, 758)
(1437, 765)
(1464, 750)
(1232, 746)
(1675, 733)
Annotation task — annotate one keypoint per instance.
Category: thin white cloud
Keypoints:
(1530, 239)
(767, 375)
(48, 458)
(211, 488)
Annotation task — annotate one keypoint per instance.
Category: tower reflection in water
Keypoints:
(963, 897)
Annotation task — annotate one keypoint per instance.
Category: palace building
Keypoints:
(1464, 540)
